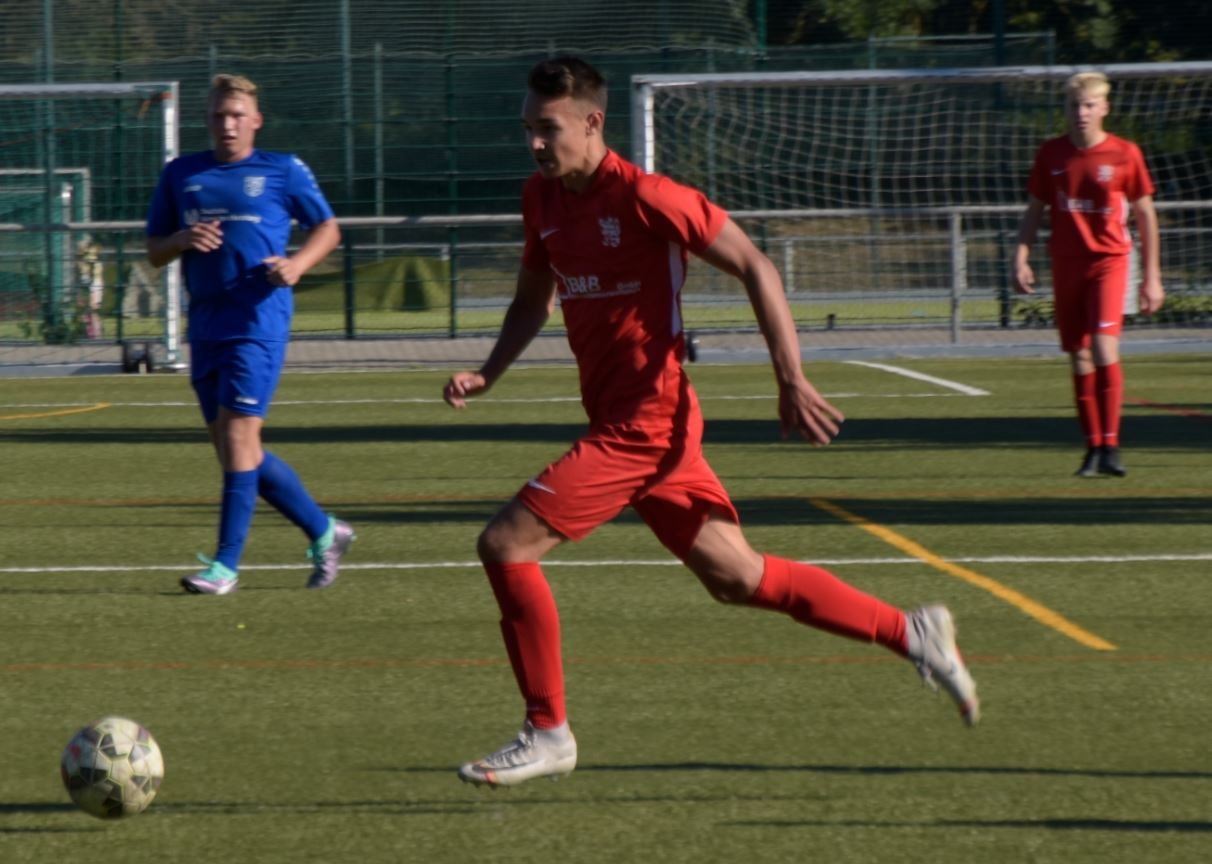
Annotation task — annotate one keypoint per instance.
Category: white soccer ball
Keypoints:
(112, 768)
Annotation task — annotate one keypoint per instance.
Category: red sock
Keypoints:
(819, 599)
(1110, 400)
(1087, 408)
(530, 625)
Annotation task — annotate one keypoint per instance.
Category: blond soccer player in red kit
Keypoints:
(1091, 179)
(611, 243)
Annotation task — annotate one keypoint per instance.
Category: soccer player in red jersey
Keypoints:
(1091, 179)
(611, 243)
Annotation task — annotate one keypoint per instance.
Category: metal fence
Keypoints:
(945, 269)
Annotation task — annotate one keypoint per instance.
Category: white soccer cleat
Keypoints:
(932, 648)
(534, 753)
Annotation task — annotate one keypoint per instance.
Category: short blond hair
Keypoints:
(224, 85)
(1088, 84)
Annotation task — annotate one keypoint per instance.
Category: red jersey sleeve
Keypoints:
(1039, 186)
(1138, 183)
(678, 213)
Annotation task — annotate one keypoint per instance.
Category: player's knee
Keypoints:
(491, 545)
(727, 587)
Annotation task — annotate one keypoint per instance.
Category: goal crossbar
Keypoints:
(644, 87)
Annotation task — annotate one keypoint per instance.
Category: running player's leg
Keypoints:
(257, 367)
(588, 486)
(235, 382)
(692, 516)
(236, 437)
(530, 629)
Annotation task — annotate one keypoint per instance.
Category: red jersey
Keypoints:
(1089, 191)
(618, 251)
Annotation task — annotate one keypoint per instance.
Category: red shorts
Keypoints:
(1089, 295)
(669, 483)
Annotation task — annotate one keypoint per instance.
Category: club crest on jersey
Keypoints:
(1105, 173)
(612, 231)
(254, 186)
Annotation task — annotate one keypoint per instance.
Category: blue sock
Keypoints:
(278, 484)
(235, 515)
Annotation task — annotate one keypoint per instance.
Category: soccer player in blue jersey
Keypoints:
(227, 214)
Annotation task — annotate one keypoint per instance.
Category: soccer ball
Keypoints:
(112, 768)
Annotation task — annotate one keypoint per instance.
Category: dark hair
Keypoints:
(568, 76)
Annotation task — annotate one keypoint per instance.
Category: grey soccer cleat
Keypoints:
(932, 648)
(1109, 462)
(1089, 467)
(326, 553)
(534, 753)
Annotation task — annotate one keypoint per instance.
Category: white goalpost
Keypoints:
(897, 183)
(80, 163)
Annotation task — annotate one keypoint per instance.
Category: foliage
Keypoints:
(1034, 312)
(1183, 308)
(1087, 31)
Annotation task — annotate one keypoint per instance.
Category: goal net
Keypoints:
(900, 181)
(80, 162)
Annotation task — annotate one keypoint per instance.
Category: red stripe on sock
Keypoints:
(530, 626)
(814, 596)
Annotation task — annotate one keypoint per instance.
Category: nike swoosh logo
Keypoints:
(1103, 324)
(535, 484)
(547, 232)
(1056, 173)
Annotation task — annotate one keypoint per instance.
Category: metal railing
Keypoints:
(450, 276)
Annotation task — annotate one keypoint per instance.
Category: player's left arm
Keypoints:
(801, 408)
(1152, 295)
(321, 240)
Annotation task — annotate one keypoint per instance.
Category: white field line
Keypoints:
(921, 376)
(661, 562)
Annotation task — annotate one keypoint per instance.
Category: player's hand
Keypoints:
(463, 385)
(282, 271)
(1023, 279)
(1152, 296)
(202, 237)
(807, 413)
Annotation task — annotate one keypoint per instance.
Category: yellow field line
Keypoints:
(59, 412)
(1020, 601)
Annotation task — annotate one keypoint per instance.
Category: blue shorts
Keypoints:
(240, 375)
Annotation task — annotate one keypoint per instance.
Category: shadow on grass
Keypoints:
(1123, 510)
(17, 808)
(9, 807)
(855, 770)
(1159, 431)
(897, 770)
(1133, 826)
(796, 510)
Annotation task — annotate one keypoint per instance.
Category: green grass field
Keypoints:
(303, 726)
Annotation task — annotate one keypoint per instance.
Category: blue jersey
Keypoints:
(230, 295)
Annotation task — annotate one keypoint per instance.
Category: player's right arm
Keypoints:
(1023, 277)
(166, 239)
(528, 312)
(201, 237)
